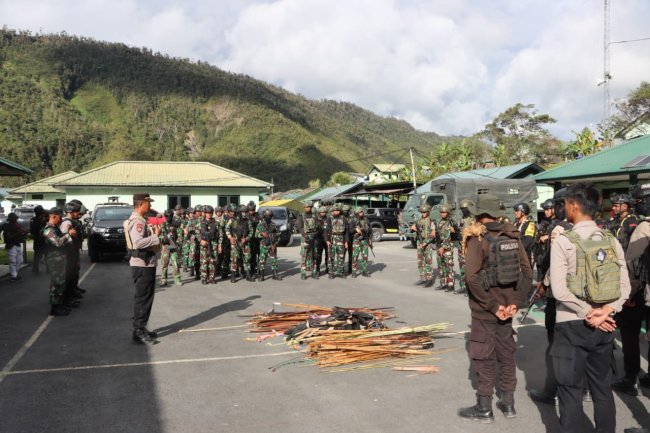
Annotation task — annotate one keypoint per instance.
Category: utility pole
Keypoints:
(606, 66)
(415, 185)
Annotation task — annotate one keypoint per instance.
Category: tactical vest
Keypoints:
(241, 228)
(597, 277)
(424, 225)
(338, 226)
(309, 223)
(503, 269)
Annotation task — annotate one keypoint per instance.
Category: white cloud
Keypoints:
(447, 66)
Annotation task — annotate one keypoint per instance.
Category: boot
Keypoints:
(482, 411)
(625, 384)
(315, 275)
(260, 275)
(163, 283)
(276, 276)
(59, 310)
(233, 277)
(330, 275)
(303, 276)
(191, 272)
(353, 275)
(249, 276)
(178, 282)
(506, 404)
(365, 273)
(428, 283)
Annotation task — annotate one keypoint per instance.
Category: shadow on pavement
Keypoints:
(190, 322)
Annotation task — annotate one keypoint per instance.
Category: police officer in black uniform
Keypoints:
(254, 219)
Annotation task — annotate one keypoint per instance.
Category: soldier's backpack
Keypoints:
(503, 269)
(597, 277)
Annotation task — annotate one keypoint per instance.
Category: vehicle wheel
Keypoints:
(94, 255)
(377, 234)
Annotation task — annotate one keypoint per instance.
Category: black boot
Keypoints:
(276, 276)
(506, 404)
(482, 411)
(260, 275)
(191, 272)
(249, 276)
(59, 310)
(233, 277)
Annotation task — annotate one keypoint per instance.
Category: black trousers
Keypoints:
(550, 314)
(492, 353)
(72, 268)
(629, 321)
(145, 285)
(580, 350)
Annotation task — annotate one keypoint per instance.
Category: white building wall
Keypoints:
(204, 196)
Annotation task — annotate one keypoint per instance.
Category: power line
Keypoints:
(372, 156)
(631, 40)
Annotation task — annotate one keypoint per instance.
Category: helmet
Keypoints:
(548, 204)
(168, 212)
(621, 199)
(323, 209)
(39, 210)
(71, 207)
(198, 208)
(445, 208)
(522, 207)
(345, 208)
(12, 217)
(250, 206)
(208, 209)
(268, 214)
(190, 210)
(309, 203)
(466, 203)
(336, 206)
(231, 207)
(218, 209)
(242, 208)
(358, 210)
(425, 208)
(77, 202)
(178, 207)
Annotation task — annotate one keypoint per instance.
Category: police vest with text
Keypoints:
(598, 273)
(503, 269)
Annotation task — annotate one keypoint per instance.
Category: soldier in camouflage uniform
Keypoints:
(337, 235)
(360, 231)
(345, 212)
(308, 228)
(254, 219)
(224, 241)
(425, 235)
(55, 257)
(239, 234)
(268, 235)
(321, 244)
(447, 232)
(209, 246)
(187, 225)
(170, 250)
(467, 220)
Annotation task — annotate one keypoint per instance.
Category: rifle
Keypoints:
(530, 302)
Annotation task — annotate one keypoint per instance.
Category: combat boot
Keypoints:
(163, 283)
(191, 272)
(276, 276)
(178, 281)
(353, 275)
(249, 276)
(481, 411)
(59, 310)
(303, 276)
(260, 274)
(506, 404)
(233, 277)
(428, 283)
(365, 273)
(315, 275)
(330, 275)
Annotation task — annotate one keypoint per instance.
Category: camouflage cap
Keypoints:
(425, 208)
(445, 208)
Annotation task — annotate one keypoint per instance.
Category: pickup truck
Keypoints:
(382, 221)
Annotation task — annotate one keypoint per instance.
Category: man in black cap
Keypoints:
(493, 301)
(142, 245)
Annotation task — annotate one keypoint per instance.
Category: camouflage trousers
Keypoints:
(307, 257)
(461, 265)
(360, 247)
(237, 251)
(446, 267)
(208, 262)
(337, 254)
(193, 253)
(56, 265)
(270, 253)
(425, 260)
(169, 257)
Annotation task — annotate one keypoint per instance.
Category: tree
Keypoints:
(628, 110)
(585, 144)
(339, 178)
(521, 132)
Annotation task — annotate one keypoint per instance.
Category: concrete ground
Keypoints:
(82, 373)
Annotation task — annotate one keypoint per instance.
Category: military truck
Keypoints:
(453, 191)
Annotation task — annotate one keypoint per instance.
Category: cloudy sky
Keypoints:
(448, 66)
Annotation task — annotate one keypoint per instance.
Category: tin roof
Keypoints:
(387, 168)
(10, 168)
(163, 174)
(506, 172)
(331, 192)
(44, 186)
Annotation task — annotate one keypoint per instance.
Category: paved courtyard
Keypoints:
(82, 373)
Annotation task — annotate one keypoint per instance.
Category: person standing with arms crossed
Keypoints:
(143, 245)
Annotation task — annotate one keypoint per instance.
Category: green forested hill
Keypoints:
(69, 103)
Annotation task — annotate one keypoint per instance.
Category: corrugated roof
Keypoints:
(164, 174)
(330, 192)
(606, 163)
(44, 186)
(388, 168)
(505, 172)
(10, 168)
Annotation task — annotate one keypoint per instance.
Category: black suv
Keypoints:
(106, 231)
(382, 221)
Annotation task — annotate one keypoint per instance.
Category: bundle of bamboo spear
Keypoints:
(332, 348)
(312, 315)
